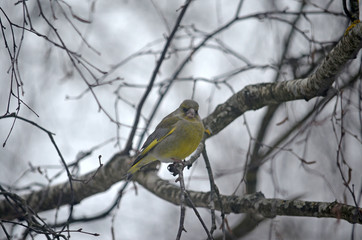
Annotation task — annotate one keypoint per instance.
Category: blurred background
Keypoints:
(84, 81)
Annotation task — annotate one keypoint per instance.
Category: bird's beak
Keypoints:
(191, 113)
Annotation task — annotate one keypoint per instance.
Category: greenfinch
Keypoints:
(174, 138)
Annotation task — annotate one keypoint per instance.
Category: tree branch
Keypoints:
(61, 194)
(256, 96)
(253, 203)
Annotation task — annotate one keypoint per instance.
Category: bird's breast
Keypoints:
(181, 143)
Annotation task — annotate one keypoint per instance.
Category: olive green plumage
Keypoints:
(174, 138)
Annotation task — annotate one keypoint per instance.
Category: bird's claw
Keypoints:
(176, 167)
(172, 169)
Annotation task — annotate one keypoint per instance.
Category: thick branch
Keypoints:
(253, 203)
(58, 195)
(114, 171)
(256, 96)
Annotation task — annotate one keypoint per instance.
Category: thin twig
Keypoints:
(189, 201)
(50, 135)
(177, 168)
(180, 178)
(154, 75)
(213, 188)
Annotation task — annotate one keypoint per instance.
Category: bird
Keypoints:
(175, 137)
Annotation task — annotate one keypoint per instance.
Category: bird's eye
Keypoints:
(184, 109)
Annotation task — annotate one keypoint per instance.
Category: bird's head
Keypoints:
(190, 109)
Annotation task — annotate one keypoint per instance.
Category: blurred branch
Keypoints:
(353, 15)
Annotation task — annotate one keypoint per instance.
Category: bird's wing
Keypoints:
(165, 128)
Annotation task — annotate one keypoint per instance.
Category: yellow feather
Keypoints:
(144, 161)
(155, 142)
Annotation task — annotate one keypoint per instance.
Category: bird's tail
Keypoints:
(138, 164)
(134, 168)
